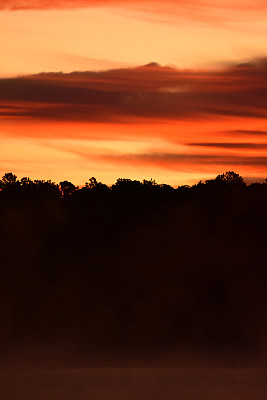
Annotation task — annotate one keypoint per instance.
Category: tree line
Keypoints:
(9, 182)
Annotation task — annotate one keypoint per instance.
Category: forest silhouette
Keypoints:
(135, 263)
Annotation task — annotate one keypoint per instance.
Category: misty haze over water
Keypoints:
(132, 374)
(134, 384)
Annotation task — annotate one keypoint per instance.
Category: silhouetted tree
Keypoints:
(46, 187)
(9, 180)
(127, 185)
(26, 183)
(229, 178)
(165, 188)
(150, 185)
(94, 185)
(67, 188)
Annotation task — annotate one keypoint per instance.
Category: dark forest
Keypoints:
(133, 264)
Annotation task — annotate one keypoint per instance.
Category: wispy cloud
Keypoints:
(216, 12)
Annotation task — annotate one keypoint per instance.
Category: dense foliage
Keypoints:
(136, 263)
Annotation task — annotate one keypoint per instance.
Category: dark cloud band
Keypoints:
(145, 92)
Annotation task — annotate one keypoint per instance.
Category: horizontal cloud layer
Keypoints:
(173, 160)
(207, 12)
(148, 92)
(187, 4)
(189, 162)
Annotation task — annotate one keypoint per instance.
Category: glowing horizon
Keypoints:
(173, 91)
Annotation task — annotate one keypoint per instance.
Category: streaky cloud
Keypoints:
(245, 132)
(171, 160)
(253, 146)
(175, 159)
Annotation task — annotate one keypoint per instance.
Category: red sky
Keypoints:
(174, 91)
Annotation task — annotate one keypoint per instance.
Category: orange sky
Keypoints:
(75, 101)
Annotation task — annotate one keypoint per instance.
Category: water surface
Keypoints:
(134, 384)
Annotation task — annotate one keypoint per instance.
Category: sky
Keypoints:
(170, 90)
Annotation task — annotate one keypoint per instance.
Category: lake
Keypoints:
(134, 384)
